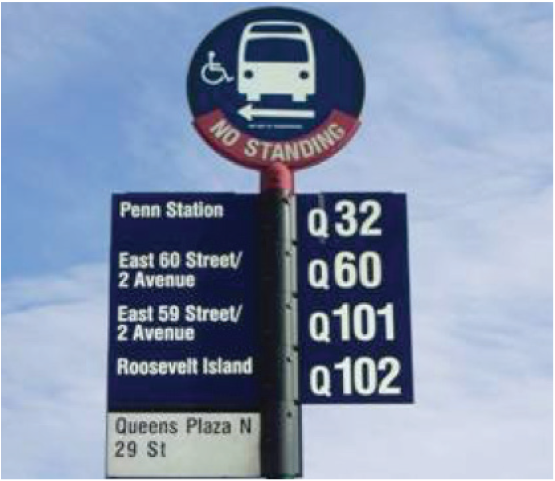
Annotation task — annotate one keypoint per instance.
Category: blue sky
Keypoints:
(458, 115)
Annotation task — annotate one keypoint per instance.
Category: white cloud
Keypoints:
(54, 348)
(498, 435)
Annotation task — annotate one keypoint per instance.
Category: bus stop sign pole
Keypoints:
(281, 413)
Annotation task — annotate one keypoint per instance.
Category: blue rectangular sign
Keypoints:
(184, 327)
(183, 322)
(354, 313)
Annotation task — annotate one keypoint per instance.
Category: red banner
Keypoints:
(257, 153)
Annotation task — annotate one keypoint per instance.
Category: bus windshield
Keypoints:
(276, 50)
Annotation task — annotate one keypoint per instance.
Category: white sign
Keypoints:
(183, 445)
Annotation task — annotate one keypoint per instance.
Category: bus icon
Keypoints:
(276, 58)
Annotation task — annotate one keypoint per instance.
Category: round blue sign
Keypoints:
(276, 84)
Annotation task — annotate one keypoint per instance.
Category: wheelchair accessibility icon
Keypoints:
(214, 73)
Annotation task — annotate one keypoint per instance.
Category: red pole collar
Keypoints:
(277, 176)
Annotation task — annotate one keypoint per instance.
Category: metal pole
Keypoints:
(281, 413)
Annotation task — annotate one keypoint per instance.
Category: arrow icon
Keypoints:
(249, 112)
